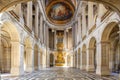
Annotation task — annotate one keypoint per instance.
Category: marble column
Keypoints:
(55, 40)
(103, 50)
(73, 35)
(76, 34)
(16, 59)
(41, 26)
(79, 27)
(29, 14)
(44, 25)
(1, 50)
(65, 44)
(90, 15)
(47, 46)
(83, 21)
(36, 19)
(90, 59)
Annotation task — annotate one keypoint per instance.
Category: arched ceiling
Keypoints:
(114, 4)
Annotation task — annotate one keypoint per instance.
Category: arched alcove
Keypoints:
(91, 59)
(10, 29)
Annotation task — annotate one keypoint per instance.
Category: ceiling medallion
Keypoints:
(60, 11)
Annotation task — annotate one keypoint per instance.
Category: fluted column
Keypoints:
(65, 44)
(36, 19)
(47, 46)
(41, 30)
(29, 14)
(90, 60)
(90, 15)
(55, 40)
(44, 27)
(0, 50)
(103, 49)
(83, 21)
(79, 27)
(16, 59)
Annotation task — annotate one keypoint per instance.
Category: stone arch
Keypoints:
(91, 55)
(15, 45)
(104, 51)
(5, 52)
(111, 36)
(35, 57)
(92, 42)
(107, 30)
(114, 5)
(84, 57)
(11, 29)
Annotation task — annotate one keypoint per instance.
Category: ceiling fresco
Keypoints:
(72, 1)
(59, 11)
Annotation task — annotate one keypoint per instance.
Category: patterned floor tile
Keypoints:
(58, 73)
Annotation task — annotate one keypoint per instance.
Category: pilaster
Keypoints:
(103, 49)
(16, 59)
(83, 60)
(29, 14)
(29, 60)
(36, 19)
(90, 59)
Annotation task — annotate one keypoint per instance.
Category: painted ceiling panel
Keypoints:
(59, 11)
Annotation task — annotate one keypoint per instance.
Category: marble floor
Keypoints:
(59, 73)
